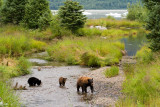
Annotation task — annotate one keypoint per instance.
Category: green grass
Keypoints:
(18, 45)
(108, 33)
(110, 23)
(86, 51)
(15, 67)
(8, 96)
(144, 55)
(142, 84)
(111, 72)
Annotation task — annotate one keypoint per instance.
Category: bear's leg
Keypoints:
(78, 88)
(34, 84)
(59, 84)
(91, 87)
(63, 84)
(30, 84)
(83, 89)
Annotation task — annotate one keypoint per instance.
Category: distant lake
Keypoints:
(96, 14)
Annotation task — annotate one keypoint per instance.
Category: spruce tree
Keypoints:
(37, 14)
(71, 16)
(153, 23)
(13, 11)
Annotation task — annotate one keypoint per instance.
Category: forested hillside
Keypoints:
(95, 4)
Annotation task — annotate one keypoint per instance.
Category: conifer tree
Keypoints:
(71, 16)
(153, 23)
(13, 11)
(37, 14)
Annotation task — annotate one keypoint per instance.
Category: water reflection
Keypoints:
(133, 44)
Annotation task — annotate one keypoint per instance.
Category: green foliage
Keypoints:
(17, 45)
(144, 55)
(90, 59)
(95, 4)
(71, 16)
(142, 86)
(8, 96)
(37, 14)
(23, 66)
(82, 50)
(153, 24)
(111, 72)
(13, 11)
(57, 30)
(110, 23)
(137, 12)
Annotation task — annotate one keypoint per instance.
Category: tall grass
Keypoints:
(109, 23)
(111, 72)
(8, 96)
(109, 33)
(142, 86)
(17, 45)
(144, 55)
(11, 67)
(86, 51)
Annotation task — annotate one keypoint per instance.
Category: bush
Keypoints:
(137, 12)
(23, 66)
(82, 50)
(144, 55)
(90, 60)
(111, 72)
(57, 30)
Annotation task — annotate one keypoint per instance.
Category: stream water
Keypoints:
(49, 94)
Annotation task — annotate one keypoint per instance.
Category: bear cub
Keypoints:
(84, 82)
(62, 81)
(32, 81)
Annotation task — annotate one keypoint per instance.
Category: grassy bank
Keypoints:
(113, 23)
(7, 96)
(108, 33)
(141, 87)
(86, 51)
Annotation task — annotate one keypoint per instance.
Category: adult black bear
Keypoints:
(62, 81)
(84, 82)
(32, 81)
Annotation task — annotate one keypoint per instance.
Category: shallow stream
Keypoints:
(50, 94)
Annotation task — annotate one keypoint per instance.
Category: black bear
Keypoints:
(32, 81)
(62, 81)
(84, 82)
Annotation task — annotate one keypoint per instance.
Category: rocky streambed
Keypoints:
(49, 94)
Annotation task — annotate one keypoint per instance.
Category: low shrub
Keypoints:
(111, 72)
(23, 66)
(82, 50)
(144, 55)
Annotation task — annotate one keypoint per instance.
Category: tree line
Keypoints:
(95, 4)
